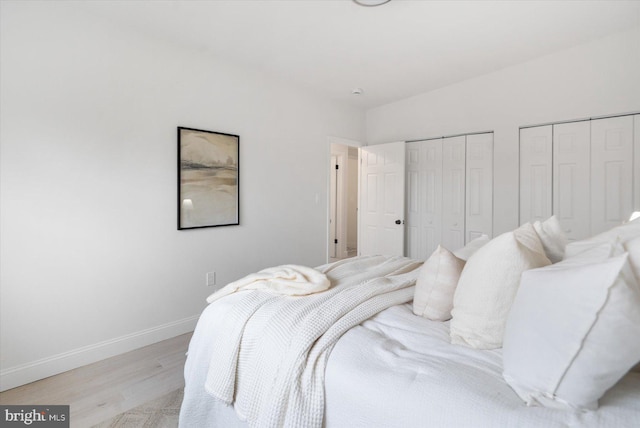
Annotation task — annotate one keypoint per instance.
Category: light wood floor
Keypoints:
(102, 390)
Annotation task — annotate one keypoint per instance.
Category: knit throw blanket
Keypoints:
(271, 351)
(292, 280)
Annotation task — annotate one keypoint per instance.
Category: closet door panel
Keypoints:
(571, 178)
(611, 172)
(413, 223)
(432, 196)
(536, 172)
(453, 192)
(424, 197)
(479, 186)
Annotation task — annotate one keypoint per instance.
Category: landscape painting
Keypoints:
(208, 179)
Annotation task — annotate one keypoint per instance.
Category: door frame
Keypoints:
(343, 142)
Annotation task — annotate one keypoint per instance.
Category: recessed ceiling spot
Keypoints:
(357, 91)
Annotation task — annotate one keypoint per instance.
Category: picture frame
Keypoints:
(208, 179)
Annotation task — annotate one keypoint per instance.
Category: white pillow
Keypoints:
(436, 284)
(573, 330)
(474, 245)
(552, 237)
(488, 285)
(632, 246)
(622, 234)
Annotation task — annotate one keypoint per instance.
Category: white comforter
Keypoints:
(399, 370)
(412, 376)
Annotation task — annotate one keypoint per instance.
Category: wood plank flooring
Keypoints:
(102, 390)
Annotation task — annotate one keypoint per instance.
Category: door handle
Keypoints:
(398, 221)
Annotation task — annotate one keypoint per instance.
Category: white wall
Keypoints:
(91, 261)
(599, 78)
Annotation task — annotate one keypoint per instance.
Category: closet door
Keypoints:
(453, 192)
(414, 166)
(611, 172)
(571, 182)
(479, 189)
(424, 197)
(536, 168)
(432, 197)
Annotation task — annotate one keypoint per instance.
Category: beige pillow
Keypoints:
(436, 284)
(552, 237)
(474, 245)
(488, 285)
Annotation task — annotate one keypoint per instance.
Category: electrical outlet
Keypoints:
(211, 278)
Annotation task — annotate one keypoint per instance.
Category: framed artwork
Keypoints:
(208, 179)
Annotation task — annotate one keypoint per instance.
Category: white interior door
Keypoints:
(424, 198)
(413, 209)
(453, 192)
(611, 172)
(382, 178)
(571, 178)
(431, 197)
(479, 190)
(536, 172)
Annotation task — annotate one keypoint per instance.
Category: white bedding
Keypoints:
(400, 370)
(411, 376)
(291, 280)
(271, 351)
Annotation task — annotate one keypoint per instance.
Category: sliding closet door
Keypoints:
(479, 189)
(611, 172)
(414, 173)
(432, 197)
(453, 192)
(536, 168)
(571, 182)
(424, 197)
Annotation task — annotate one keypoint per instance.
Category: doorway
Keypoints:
(343, 199)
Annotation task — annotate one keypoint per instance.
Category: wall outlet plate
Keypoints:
(211, 278)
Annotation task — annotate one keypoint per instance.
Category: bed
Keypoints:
(360, 354)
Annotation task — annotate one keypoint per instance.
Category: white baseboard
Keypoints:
(56, 364)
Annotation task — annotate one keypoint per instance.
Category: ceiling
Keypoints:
(393, 51)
